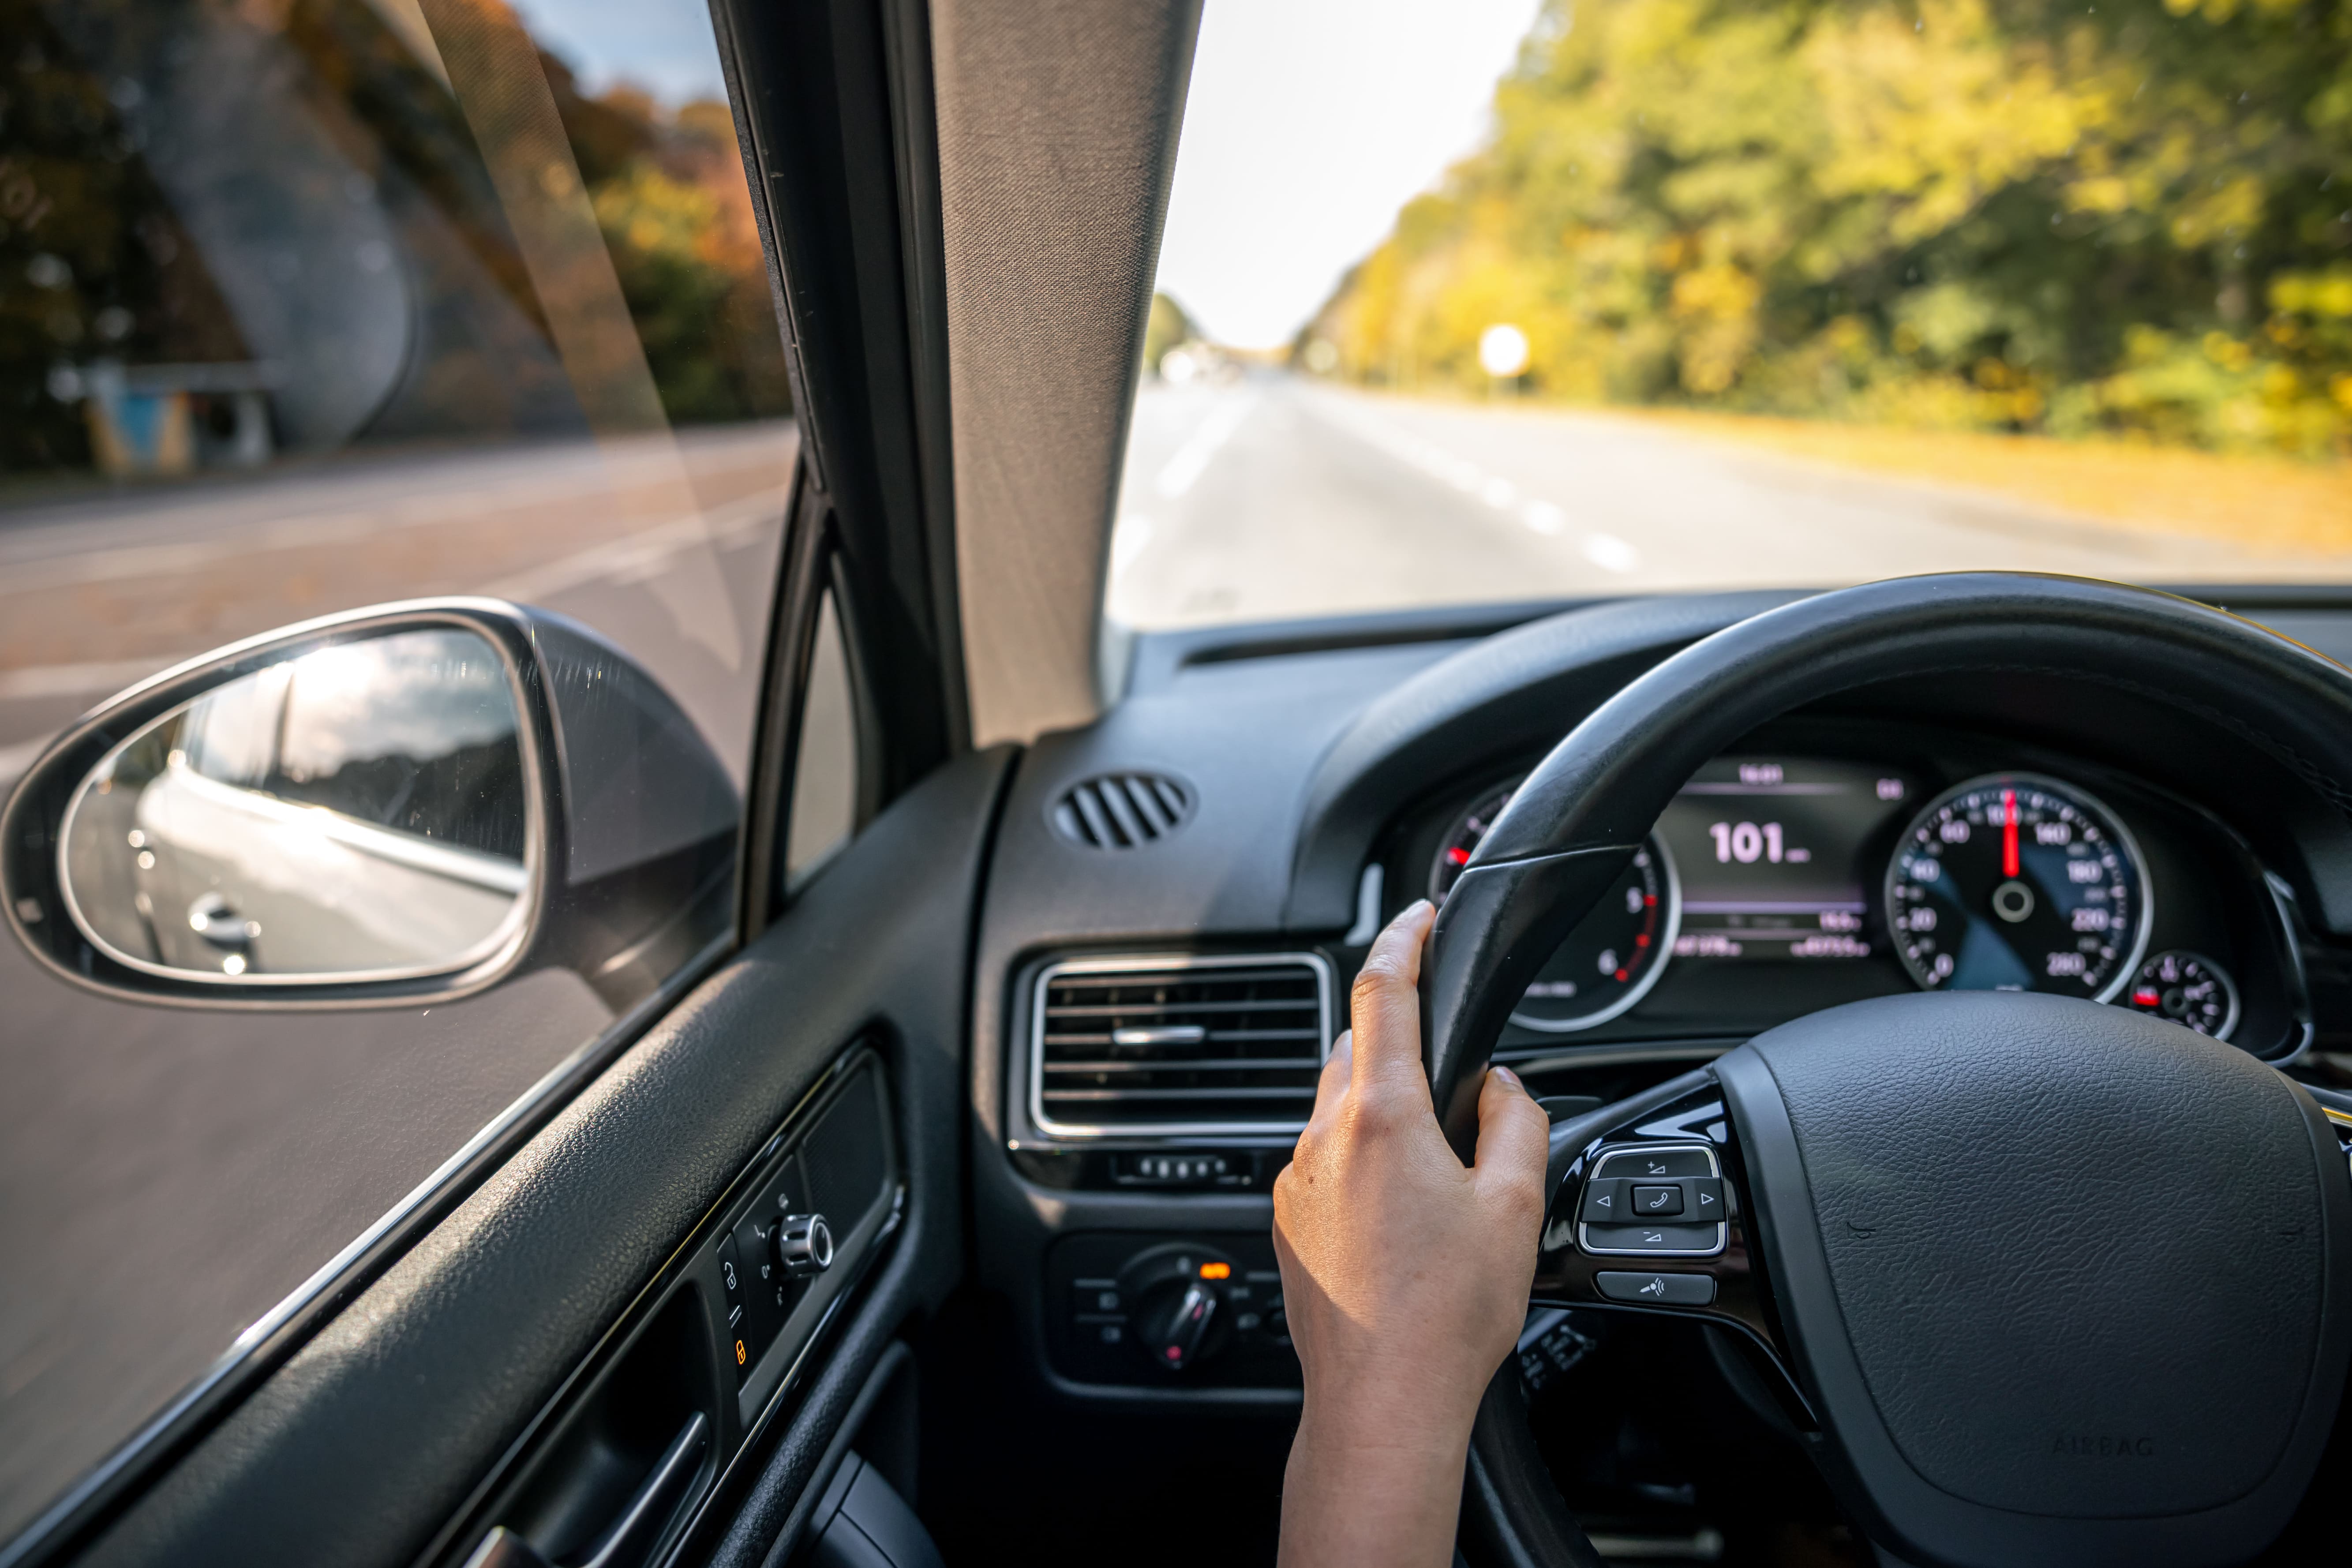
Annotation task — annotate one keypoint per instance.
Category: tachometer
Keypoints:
(2187, 988)
(1615, 953)
(2017, 882)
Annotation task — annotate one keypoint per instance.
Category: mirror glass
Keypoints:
(356, 812)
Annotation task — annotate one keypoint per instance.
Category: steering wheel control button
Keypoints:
(1652, 1203)
(1646, 1165)
(1656, 1289)
(803, 1245)
(1680, 1185)
(1664, 1239)
(1607, 1202)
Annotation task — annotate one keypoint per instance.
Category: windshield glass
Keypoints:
(1508, 303)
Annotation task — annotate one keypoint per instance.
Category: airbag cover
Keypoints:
(2080, 1254)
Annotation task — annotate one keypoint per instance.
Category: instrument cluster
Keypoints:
(1819, 879)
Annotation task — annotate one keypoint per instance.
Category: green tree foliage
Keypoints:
(677, 216)
(2132, 216)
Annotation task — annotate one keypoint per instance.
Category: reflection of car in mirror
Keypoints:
(359, 809)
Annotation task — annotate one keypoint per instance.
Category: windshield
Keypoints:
(1623, 295)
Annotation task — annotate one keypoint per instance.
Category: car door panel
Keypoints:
(375, 1432)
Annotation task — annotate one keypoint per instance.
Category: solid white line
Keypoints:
(1184, 468)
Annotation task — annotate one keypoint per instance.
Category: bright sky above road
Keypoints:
(1310, 123)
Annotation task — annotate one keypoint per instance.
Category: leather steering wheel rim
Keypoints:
(1576, 820)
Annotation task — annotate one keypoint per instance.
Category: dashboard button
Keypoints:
(1663, 1237)
(1606, 1203)
(1091, 1297)
(1642, 1165)
(1657, 1290)
(1657, 1202)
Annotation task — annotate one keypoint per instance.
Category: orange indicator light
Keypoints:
(1216, 1271)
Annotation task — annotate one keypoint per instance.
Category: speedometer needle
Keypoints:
(2009, 833)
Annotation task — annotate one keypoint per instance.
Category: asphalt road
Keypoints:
(1267, 497)
(166, 1177)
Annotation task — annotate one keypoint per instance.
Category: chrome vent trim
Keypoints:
(1122, 811)
(1230, 1044)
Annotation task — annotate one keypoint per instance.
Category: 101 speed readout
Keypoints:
(2016, 882)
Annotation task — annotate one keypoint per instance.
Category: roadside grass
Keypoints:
(2260, 502)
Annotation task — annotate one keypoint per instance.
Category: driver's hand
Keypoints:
(1405, 1277)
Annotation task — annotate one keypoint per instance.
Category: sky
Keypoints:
(1309, 123)
(663, 46)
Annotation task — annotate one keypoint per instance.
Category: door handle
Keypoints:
(504, 1548)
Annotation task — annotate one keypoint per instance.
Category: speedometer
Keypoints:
(2017, 882)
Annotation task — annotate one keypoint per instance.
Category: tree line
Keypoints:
(2128, 216)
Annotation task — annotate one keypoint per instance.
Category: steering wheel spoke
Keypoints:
(1646, 1215)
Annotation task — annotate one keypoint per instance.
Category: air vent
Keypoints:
(1191, 1044)
(1122, 811)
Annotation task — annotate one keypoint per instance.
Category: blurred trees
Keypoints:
(2134, 217)
(1165, 328)
(98, 265)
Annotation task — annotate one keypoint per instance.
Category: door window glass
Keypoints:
(824, 775)
(306, 305)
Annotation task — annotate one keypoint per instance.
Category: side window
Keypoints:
(824, 779)
(306, 305)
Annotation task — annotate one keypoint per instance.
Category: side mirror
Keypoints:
(397, 804)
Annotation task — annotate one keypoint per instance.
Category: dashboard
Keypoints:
(1181, 894)
(1778, 882)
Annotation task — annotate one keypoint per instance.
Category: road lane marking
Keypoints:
(1184, 469)
(1610, 553)
(1605, 549)
(1129, 538)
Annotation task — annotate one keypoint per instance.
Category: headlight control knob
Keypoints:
(803, 1245)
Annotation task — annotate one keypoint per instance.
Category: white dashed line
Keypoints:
(1605, 551)
(1610, 553)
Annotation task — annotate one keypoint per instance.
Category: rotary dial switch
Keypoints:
(803, 1245)
(1178, 1293)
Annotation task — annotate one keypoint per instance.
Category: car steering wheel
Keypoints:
(2049, 1282)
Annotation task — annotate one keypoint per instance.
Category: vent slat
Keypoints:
(1115, 1009)
(1098, 1096)
(1206, 1046)
(1121, 811)
(1237, 1063)
(1145, 802)
(1098, 827)
(1099, 979)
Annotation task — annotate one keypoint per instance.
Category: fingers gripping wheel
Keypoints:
(1866, 1150)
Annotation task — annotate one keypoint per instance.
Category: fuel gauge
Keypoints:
(2187, 988)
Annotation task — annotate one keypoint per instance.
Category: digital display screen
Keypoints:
(1770, 854)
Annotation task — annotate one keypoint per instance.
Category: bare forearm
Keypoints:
(1353, 1496)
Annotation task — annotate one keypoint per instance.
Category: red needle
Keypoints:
(2009, 833)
